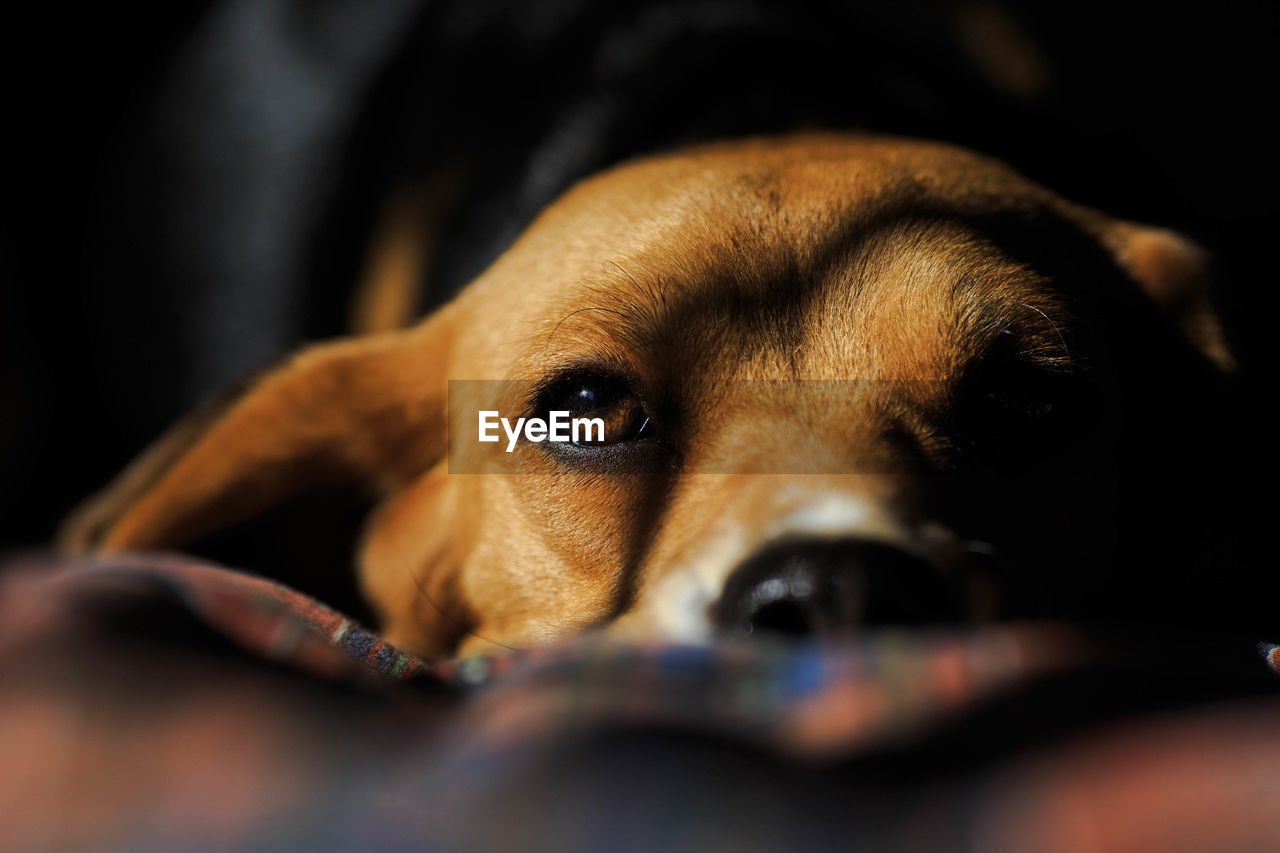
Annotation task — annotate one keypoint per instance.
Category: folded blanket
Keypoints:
(156, 702)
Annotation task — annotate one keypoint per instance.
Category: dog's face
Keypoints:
(844, 381)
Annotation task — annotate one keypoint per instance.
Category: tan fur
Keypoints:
(853, 251)
(404, 243)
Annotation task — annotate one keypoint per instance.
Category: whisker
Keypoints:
(465, 630)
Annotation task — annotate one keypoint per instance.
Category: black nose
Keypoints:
(815, 587)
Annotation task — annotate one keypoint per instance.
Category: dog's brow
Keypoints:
(1039, 320)
(631, 308)
(644, 310)
(622, 311)
(630, 321)
(741, 278)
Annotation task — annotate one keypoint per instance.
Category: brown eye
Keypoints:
(618, 412)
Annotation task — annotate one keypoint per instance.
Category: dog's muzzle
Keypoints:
(813, 587)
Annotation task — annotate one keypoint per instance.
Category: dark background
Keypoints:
(187, 193)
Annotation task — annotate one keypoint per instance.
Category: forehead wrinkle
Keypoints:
(738, 264)
(748, 292)
(748, 284)
(643, 311)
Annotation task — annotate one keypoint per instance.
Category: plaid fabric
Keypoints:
(1271, 654)
(156, 702)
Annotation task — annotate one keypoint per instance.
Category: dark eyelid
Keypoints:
(1039, 346)
(559, 381)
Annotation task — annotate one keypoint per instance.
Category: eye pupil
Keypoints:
(608, 398)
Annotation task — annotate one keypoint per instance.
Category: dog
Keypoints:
(846, 381)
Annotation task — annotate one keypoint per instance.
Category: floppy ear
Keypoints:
(365, 411)
(1176, 274)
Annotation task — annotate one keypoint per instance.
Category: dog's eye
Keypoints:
(618, 413)
(1014, 404)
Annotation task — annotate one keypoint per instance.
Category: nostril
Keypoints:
(783, 617)
(782, 603)
(802, 588)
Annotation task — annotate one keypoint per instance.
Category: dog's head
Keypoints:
(843, 381)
